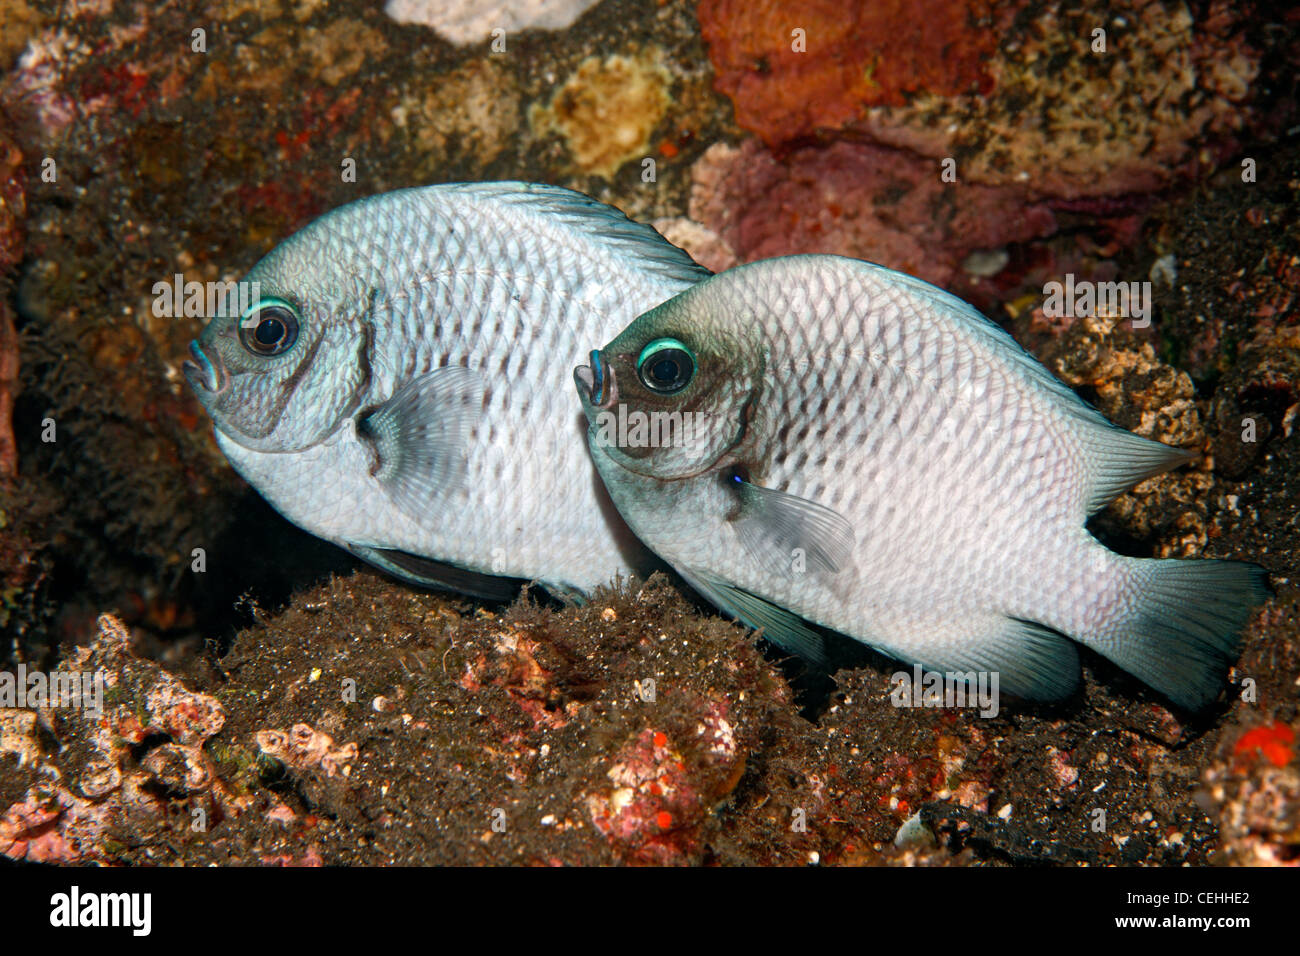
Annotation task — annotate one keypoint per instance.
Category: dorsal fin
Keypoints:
(652, 251)
(1031, 661)
(1119, 459)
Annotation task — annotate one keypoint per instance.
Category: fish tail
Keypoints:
(1178, 628)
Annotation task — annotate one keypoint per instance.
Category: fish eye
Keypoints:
(269, 328)
(665, 366)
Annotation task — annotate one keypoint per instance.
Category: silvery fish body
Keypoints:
(401, 387)
(859, 449)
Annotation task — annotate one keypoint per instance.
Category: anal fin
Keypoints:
(1032, 662)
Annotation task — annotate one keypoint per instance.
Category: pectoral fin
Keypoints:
(421, 437)
(788, 535)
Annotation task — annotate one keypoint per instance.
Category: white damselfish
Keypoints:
(401, 386)
(822, 438)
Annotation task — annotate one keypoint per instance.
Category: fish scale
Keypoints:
(505, 283)
(962, 469)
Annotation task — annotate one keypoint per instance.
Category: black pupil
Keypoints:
(270, 332)
(665, 370)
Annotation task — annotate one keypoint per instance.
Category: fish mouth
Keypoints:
(597, 381)
(203, 374)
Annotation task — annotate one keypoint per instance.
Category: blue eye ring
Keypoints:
(666, 366)
(269, 327)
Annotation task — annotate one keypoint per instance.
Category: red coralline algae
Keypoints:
(130, 88)
(1015, 94)
(516, 670)
(281, 813)
(658, 795)
(311, 858)
(1273, 742)
(870, 202)
(931, 137)
(13, 207)
(650, 790)
(793, 68)
(73, 821)
(304, 748)
(1254, 787)
(39, 829)
(13, 203)
(286, 202)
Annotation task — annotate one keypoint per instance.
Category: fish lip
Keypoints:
(597, 381)
(585, 381)
(203, 374)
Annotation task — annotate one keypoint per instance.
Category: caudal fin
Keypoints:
(1183, 627)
